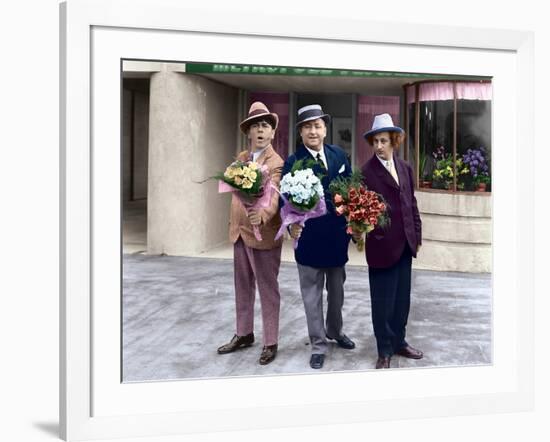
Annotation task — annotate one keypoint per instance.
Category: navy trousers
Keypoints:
(390, 294)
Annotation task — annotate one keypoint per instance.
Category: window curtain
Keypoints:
(367, 108)
(277, 103)
(474, 91)
(443, 90)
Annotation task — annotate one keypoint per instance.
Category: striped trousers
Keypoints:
(257, 267)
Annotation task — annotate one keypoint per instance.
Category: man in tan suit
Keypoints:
(257, 262)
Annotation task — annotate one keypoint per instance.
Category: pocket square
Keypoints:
(342, 168)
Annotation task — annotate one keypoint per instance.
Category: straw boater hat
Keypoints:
(259, 111)
(382, 123)
(311, 112)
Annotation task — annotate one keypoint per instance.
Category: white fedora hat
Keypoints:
(382, 123)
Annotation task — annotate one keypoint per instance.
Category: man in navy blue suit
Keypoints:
(322, 250)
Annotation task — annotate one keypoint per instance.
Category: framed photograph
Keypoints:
(342, 133)
(178, 285)
(104, 52)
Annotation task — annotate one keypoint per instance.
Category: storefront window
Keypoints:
(474, 141)
(454, 142)
(436, 140)
(411, 134)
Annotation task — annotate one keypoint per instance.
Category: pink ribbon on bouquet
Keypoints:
(261, 202)
(293, 215)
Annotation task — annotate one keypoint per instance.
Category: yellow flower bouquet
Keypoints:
(245, 176)
(250, 183)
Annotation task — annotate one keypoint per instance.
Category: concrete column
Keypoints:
(192, 124)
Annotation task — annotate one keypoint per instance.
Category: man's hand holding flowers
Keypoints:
(296, 231)
(251, 183)
(363, 209)
(303, 197)
(254, 217)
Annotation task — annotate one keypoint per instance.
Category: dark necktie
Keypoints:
(320, 161)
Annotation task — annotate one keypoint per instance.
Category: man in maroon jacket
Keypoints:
(389, 251)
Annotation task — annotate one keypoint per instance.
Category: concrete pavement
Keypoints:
(178, 310)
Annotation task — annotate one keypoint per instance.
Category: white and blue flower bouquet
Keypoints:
(303, 196)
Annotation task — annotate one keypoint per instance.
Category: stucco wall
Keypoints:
(456, 232)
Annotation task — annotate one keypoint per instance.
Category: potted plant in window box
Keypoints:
(476, 161)
(443, 173)
(463, 174)
(482, 181)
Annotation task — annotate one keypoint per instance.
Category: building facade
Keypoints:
(180, 127)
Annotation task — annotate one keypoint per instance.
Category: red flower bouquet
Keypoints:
(363, 209)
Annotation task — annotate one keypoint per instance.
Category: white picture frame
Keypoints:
(95, 35)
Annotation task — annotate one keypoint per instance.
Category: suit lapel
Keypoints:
(302, 153)
(384, 174)
(401, 172)
(245, 155)
(265, 155)
(331, 161)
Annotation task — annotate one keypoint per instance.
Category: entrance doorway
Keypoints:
(340, 108)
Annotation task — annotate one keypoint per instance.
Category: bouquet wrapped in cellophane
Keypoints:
(363, 209)
(303, 196)
(250, 183)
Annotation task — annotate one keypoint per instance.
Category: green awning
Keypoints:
(208, 68)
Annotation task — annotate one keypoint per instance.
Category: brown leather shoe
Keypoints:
(383, 362)
(268, 354)
(236, 343)
(409, 352)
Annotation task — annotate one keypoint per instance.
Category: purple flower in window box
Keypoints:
(476, 160)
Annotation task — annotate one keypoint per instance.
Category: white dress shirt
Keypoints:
(314, 155)
(388, 165)
(256, 155)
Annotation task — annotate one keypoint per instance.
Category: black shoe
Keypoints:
(268, 354)
(236, 343)
(317, 360)
(343, 342)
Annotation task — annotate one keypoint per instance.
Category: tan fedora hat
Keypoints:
(258, 111)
